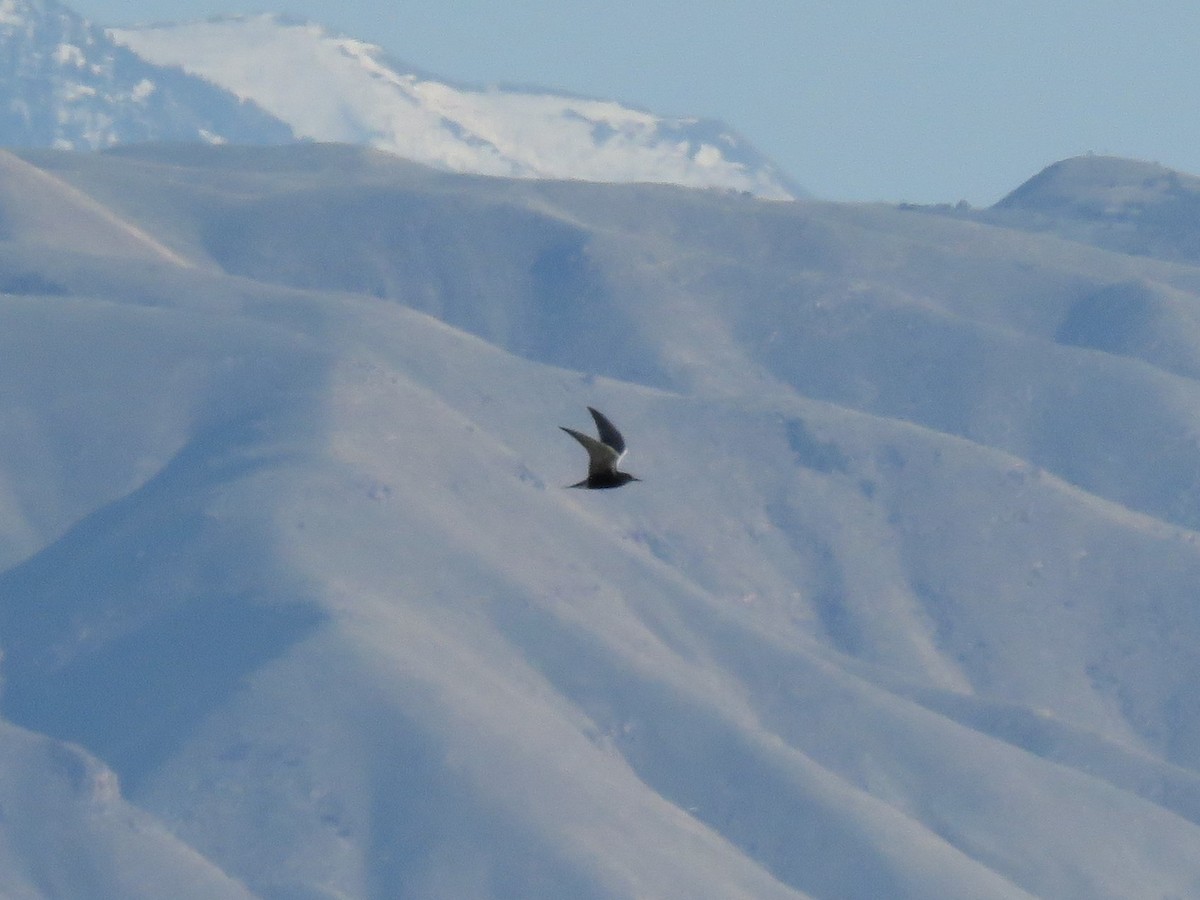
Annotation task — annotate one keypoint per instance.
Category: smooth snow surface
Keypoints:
(293, 604)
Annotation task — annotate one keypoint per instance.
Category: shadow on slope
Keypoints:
(837, 789)
(431, 834)
(1172, 787)
(517, 277)
(802, 824)
(127, 631)
(66, 832)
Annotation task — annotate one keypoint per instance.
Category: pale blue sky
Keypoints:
(925, 101)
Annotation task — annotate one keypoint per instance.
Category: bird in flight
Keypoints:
(603, 455)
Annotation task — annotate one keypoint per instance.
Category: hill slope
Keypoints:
(904, 607)
(1121, 204)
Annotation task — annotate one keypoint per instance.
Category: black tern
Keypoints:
(603, 455)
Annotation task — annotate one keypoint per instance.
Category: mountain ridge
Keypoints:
(75, 85)
(355, 92)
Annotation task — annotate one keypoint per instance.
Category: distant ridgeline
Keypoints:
(72, 84)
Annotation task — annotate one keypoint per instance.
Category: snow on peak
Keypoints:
(67, 84)
(329, 87)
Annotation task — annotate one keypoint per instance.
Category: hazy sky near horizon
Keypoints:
(926, 101)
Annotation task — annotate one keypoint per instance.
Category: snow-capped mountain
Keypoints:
(333, 88)
(267, 79)
(66, 83)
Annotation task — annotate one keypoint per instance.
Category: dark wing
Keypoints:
(608, 433)
(601, 457)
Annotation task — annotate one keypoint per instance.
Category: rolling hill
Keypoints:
(293, 604)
